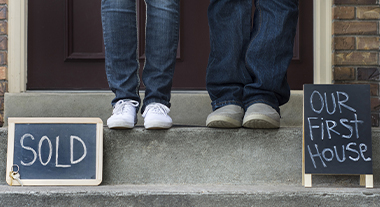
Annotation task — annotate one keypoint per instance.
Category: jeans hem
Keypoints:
(274, 106)
(146, 103)
(218, 104)
(126, 99)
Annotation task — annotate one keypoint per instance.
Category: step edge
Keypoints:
(187, 189)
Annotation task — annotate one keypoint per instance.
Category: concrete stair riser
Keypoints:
(199, 155)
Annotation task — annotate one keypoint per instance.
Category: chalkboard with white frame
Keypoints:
(337, 129)
(55, 151)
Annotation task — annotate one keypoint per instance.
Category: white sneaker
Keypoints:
(123, 115)
(156, 117)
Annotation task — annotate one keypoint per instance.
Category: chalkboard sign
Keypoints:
(337, 129)
(55, 151)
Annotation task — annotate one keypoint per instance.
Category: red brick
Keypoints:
(344, 73)
(368, 12)
(3, 87)
(344, 43)
(368, 74)
(348, 27)
(2, 103)
(3, 28)
(374, 89)
(3, 58)
(3, 12)
(356, 58)
(356, 2)
(3, 73)
(368, 43)
(1, 118)
(344, 12)
(375, 104)
(3, 43)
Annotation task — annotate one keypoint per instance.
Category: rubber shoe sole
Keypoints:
(120, 125)
(157, 125)
(220, 121)
(260, 121)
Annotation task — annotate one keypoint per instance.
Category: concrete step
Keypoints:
(204, 156)
(188, 195)
(189, 108)
(187, 165)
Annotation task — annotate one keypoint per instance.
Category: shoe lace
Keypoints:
(125, 106)
(156, 108)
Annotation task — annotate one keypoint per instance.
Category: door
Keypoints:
(65, 48)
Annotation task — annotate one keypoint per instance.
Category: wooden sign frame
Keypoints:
(55, 120)
(365, 179)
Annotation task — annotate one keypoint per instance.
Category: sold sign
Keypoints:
(55, 151)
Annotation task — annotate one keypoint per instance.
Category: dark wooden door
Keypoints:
(65, 47)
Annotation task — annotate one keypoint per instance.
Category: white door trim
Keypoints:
(18, 27)
(322, 41)
(17, 45)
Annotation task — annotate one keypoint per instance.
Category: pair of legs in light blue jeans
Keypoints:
(249, 60)
(120, 35)
(121, 41)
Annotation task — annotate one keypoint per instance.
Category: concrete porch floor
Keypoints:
(189, 108)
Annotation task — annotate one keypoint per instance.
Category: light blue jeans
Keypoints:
(121, 41)
(248, 64)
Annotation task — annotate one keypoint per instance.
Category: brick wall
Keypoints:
(356, 45)
(3, 55)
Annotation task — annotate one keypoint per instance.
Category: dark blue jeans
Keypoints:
(248, 64)
(121, 57)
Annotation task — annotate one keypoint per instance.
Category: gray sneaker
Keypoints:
(229, 116)
(261, 116)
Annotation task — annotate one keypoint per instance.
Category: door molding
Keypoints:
(322, 41)
(17, 45)
(18, 27)
(69, 53)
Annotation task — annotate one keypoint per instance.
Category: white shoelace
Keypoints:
(125, 106)
(156, 108)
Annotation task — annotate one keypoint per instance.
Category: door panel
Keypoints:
(83, 31)
(63, 50)
(65, 46)
(300, 70)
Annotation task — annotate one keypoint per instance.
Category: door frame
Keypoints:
(18, 27)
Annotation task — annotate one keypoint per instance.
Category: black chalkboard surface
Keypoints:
(55, 151)
(337, 129)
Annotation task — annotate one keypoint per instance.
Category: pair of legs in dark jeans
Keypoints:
(246, 73)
